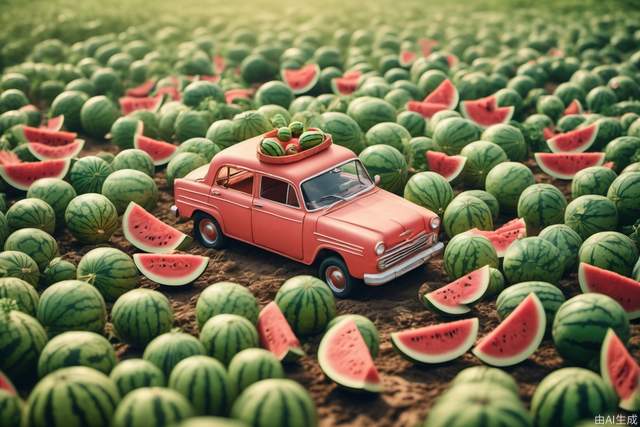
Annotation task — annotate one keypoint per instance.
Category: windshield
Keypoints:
(340, 183)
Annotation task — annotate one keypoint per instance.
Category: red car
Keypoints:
(322, 209)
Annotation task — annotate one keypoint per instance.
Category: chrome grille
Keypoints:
(405, 250)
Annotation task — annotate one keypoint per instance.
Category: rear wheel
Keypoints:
(336, 275)
(208, 232)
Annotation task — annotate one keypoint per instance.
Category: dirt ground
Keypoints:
(409, 389)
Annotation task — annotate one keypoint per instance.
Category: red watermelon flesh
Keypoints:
(485, 111)
(48, 136)
(573, 108)
(301, 80)
(427, 109)
(171, 269)
(446, 93)
(566, 165)
(517, 223)
(55, 123)
(6, 384)
(352, 75)
(437, 343)
(548, 133)
(575, 141)
(219, 64)
(147, 233)
(212, 79)
(620, 370)
(501, 240)
(452, 60)
(344, 357)
(608, 165)
(621, 288)
(447, 166)
(9, 158)
(142, 90)
(22, 175)
(344, 85)
(129, 104)
(407, 58)
(170, 91)
(517, 337)
(48, 152)
(427, 45)
(276, 334)
(160, 151)
(232, 94)
(454, 297)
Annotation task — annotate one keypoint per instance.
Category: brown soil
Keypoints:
(409, 389)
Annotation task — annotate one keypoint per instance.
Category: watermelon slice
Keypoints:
(48, 136)
(447, 166)
(446, 94)
(161, 152)
(426, 46)
(620, 370)
(55, 123)
(171, 92)
(406, 58)
(437, 343)
(142, 90)
(129, 104)
(426, 109)
(301, 80)
(566, 165)
(485, 111)
(548, 133)
(575, 141)
(344, 85)
(517, 337)
(621, 288)
(47, 152)
(219, 64)
(206, 78)
(352, 74)
(452, 299)
(514, 224)
(276, 334)
(501, 240)
(171, 269)
(6, 384)
(574, 107)
(9, 158)
(22, 175)
(233, 94)
(147, 233)
(344, 357)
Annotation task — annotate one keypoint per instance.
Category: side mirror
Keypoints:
(376, 179)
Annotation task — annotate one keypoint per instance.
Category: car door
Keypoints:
(277, 217)
(232, 193)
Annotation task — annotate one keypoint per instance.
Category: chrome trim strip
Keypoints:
(354, 246)
(342, 247)
(400, 269)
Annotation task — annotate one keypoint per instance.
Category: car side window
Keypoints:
(235, 179)
(278, 191)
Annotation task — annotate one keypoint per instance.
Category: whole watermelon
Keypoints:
(307, 303)
(98, 115)
(388, 163)
(127, 185)
(140, 315)
(466, 212)
(226, 298)
(610, 250)
(541, 205)
(429, 190)
(532, 259)
(465, 253)
(506, 182)
(77, 348)
(225, 335)
(132, 374)
(454, 133)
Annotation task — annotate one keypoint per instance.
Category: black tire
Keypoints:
(349, 283)
(203, 232)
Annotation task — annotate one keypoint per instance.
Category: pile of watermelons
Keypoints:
(519, 127)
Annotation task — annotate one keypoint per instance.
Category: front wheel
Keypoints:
(208, 232)
(335, 273)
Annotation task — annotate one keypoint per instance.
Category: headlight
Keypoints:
(379, 248)
(435, 222)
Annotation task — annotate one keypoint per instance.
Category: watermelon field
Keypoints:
(518, 124)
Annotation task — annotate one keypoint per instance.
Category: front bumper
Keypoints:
(404, 267)
(174, 211)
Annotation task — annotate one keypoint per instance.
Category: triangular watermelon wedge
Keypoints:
(426, 109)
(48, 136)
(6, 384)
(161, 152)
(171, 269)
(501, 240)
(621, 288)
(276, 334)
(142, 90)
(55, 123)
(129, 104)
(447, 166)
(233, 94)
(574, 107)
(517, 337)
(301, 80)
(567, 165)
(454, 298)
(437, 343)
(621, 371)
(343, 85)
(485, 111)
(575, 141)
(22, 175)
(548, 133)
(148, 233)
(344, 357)
(9, 158)
(406, 58)
(426, 46)
(446, 94)
(47, 152)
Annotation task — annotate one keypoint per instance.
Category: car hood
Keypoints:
(391, 217)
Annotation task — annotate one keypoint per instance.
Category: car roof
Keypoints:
(244, 154)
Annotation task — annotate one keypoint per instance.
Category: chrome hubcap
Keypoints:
(208, 231)
(335, 278)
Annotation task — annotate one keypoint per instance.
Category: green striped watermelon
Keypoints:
(181, 164)
(610, 250)
(465, 213)
(253, 365)
(40, 246)
(454, 133)
(205, 383)
(429, 190)
(226, 298)
(343, 130)
(416, 152)
(388, 163)
(549, 295)
(31, 213)
(509, 138)
(271, 147)
(132, 374)
(23, 293)
(366, 328)
(567, 242)
(555, 399)
(486, 374)
(128, 185)
(72, 305)
(307, 303)
(10, 408)
(532, 259)
(156, 406)
(110, 270)
(140, 315)
(624, 192)
(541, 205)
(225, 335)
(167, 350)
(201, 146)
(590, 214)
(19, 265)
(72, 397)
(581, 324)
(482, 156)
(487, 198)
(77, 348)
(496, 283)
(249, 124)
(124, 131)
(368, 111)
(465, 253)
(133, 158)
(56, 192)
(506, 182)
(593, 180)
(88, 174)
(91, 218)
(388, 133)
(221, 132)
(98, 115)
(274, 403)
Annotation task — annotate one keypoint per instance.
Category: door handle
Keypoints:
(257, 205)
(215, 193)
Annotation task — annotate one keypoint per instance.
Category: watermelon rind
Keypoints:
(469, 116)
(540, 157)
(623, 289)
(157, 161)
(443, 89)
(179, 240)
(62, 167)
(555, 147)
(442, 357)
(482, 275)
(173, 281)
(45, 152)
(291, 350)
(627, 374)
(499, 330)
